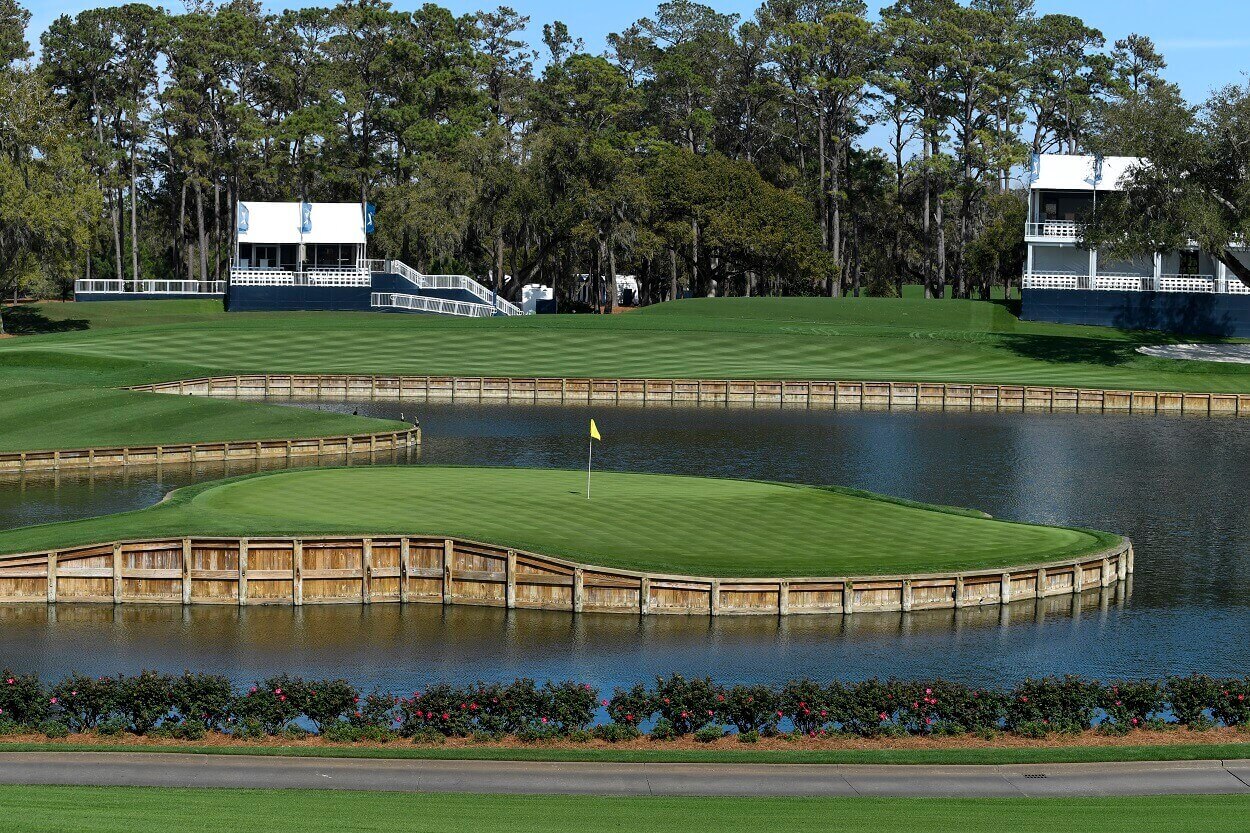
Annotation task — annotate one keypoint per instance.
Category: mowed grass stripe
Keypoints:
(658, 523)
(144, 809)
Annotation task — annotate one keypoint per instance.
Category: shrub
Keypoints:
(750, 736)
(749, 708)
(1232, 706)
(631, 707)
(616, 732)
(956, 708)
(568, 705)
(1060, 704)
(429, 736)
(54, 729)
(268, 705)
(86, 701)
(23, 699)
(144, 700)
(9, 727)
(866, 708)
(709, 733)
(349, 733)
(440, 707)
(112, 726)
(808, 704)
(686, 704)
(376, 710)
(324, 702)
(1032, 729)
(205, 699)
(1131, 703)
(663, 730)
(1190, 698)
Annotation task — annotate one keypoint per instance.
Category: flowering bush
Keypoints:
(206, 700)
(85, 702)
(1130, 703)
(23, 699)
(808, 704)
(443, 708)
(1232, 706)
(750, 708)
(869, 707)
(144, 700)
(960, 708)
(324, 702)
(268, 705)
(569, 705)
(375, 710)
(1190, 698)
(686, 704)
(1061, 704)
(631, 706)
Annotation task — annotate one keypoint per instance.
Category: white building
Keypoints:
(301, 244)
(1063, 190)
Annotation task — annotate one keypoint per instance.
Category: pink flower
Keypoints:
(881, 716)
(603, 703)
(544, 720)
(779, 714)
(9, 681)
(52, 701)
(282, 697)
(709, 712)
(445, 717)
(629, 718)
(277, 691)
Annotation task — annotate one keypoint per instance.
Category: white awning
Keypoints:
(279, 222)
(1065, 172)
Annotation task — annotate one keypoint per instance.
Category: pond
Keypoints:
(1173, 484)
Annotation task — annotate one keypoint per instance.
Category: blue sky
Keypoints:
(1206, 42)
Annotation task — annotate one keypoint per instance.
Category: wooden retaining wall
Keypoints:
(191, 453)
(435, 570)
(901, 395)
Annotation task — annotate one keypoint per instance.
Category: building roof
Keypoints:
(1067, 172)
(279, 222)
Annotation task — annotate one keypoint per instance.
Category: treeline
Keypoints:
(807, 149)
(189, 705)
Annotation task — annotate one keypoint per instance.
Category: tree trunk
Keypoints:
(672, 271)
(199, 219)
(498, 262)
(611, 287)
(134, 217)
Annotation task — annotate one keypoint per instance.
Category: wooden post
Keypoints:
(1078, 578)
(404, 550)
(644, 595)
(117, 573)
(1108, 578)
(783, 598)
(1121, 566)
(848, 597)
(449, 554)
(297, 572)
(1004, 590)
(186, 571)
(366, 570)
(959, 591)
(579, 589)
(242, 571)
(510, 574)
(905, 600)
(715, 601)
(52, 577)
(1040, 589)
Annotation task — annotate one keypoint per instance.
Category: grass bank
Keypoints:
(70, 354)
(661, 523)
(139, 809)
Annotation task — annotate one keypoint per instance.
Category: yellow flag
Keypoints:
(594, 431)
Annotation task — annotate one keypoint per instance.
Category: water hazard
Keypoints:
(1173, 484)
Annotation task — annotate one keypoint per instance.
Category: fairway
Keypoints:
(658, 523)
(140, 809)
(54, 381)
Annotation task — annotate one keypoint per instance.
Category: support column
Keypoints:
(959, 591)
(52, 558)
(1040, 589)
(1028, 262)
(1158, 272)
(242, 572)
(1221, 277)
(579, 589)
(297, 572)
(186, 571)
(644, 596)
(366, 570)
(1121, 566)
(1004, 590)
(449, 554)
(117, 573)
(1093, 267)
(905, 596)
(848, 597)
(1078, 578)
(714, 602)
(783, 598)
(404, 550)
(510, 575)
(1108, 577)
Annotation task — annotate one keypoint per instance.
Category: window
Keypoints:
(265, 257)
(1189, 263)
(1068, 207)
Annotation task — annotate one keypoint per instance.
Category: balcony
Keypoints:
(1053, 230)
(308, 276)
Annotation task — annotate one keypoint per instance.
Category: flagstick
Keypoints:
(589, 459)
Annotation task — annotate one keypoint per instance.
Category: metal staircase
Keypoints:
(488, 303)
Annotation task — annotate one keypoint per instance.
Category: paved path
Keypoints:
(1235, 353)
(1042, 780)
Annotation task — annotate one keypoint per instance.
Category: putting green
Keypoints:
(659, 523)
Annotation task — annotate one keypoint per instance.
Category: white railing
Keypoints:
(458, 282)
(1053, 280)
(310, 276)
(1122, 281)
(1187, 283)
(1055, 229)
(423, 303)
(117, 287)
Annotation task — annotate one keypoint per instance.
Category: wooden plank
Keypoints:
(242, 572)
(186, 571)
(510, 592)
(404, 550)
(52, 576)
(449, 556)
(366, 567)
(117, 573)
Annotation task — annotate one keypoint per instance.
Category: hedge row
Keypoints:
(189, 705)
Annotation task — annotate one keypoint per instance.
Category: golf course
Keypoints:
(60, 376)
(662, 523)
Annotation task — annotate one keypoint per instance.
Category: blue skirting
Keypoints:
(146, 296)
(1191, 313)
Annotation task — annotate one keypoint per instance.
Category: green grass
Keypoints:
(661, 753)
(142, 809)
(76, 350)
(648, 522)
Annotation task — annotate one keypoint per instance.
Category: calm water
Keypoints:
(1173, 484)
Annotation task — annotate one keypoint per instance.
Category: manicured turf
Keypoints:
(659, 752)
(648, 522)
(139, 809)
(73, 350)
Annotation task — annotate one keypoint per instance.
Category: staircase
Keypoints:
(441, 294)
